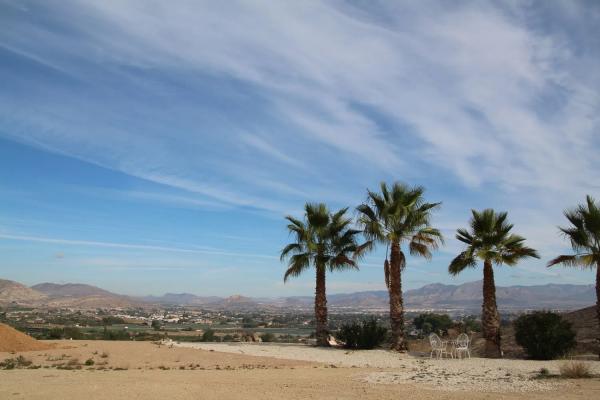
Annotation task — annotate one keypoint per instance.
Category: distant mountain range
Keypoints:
(55, 295)
(430, 297)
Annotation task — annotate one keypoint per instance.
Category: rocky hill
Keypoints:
(14, 292)
(469, 295)
(79, 295)
(77, 290)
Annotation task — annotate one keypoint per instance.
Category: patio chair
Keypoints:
(438, 346)
(461, 346)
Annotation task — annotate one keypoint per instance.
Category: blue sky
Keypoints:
(148, 147)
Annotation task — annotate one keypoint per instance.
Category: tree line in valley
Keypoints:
(399, 218)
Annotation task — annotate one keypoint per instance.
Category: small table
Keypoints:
(452, 345)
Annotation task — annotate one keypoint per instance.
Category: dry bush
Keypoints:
(575, 370)
(18, 362)
(72, 362)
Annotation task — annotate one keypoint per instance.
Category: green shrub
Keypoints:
(112, 320)
(89, 361)
(544, 335)
(208, 335)
(267, 337)
(430, 322)
(71, 332)
(68, 332)
(117, 334)
(156, 325)
(362, 335)
(55, 333)
(470, 324)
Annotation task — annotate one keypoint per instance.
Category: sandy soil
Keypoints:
(474, 374)
(132, 370)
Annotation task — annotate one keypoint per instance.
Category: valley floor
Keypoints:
(132, 370)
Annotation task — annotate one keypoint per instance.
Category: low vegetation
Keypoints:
(208, 336)
(544, 335)
(267, 337)
(14, 363)
(366, 334)
(575, 370)
(430, 322)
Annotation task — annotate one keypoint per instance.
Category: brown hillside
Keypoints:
(14, 292)
(585, 324)
(13, 340)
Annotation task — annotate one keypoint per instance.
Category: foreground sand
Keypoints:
(474, 374)
(132, 370)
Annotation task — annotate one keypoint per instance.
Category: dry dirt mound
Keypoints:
(13, 340)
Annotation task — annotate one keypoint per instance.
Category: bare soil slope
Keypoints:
(13, 340)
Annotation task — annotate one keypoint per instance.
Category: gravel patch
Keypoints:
(475, 374)
(470, 376)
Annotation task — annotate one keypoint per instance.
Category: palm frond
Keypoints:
(419, 249)
(578, 261)
(297, 265)
(461, 262)
(584, 235)
(341, 262)
(386, 271)
(292, 247)
(490, 239)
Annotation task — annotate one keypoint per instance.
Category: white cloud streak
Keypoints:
(482, 96)
(131, 246)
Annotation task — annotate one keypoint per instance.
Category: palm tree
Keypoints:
(584, 235)
(325, 241)
(396, 216)
(490, 240)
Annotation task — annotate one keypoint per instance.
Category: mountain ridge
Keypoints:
(433, 296)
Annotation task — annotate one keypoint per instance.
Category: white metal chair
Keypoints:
(461, 346)
(438, 346)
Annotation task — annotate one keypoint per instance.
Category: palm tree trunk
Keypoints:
(598, 303)
(396, 302)
(321, 308)
(490, 319)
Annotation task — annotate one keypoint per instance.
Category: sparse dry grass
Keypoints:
(575, 370)
(73, 361)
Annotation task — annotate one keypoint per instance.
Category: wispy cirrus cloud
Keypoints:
(130, 246)
(268, 149)
(487, 104)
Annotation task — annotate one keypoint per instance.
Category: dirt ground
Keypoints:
(142, 370)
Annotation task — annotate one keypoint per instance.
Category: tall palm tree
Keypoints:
(397, 216)
(584, 235)
(490, 240)
(325, 241)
